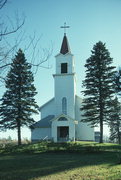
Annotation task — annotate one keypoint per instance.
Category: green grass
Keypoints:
(68, 161)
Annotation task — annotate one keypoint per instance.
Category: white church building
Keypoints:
(61, 116)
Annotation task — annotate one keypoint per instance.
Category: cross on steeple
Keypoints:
(65, 26)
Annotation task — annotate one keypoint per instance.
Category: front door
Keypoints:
(63, 133)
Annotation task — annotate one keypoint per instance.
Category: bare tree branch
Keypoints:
(6, 32)
(43, 59)
(37, 57)
(2, 3)
(5, 65)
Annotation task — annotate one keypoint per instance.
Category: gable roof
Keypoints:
(45, 122)
(46, 103)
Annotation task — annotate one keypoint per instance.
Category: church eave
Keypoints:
(66, 116)
(69, 53)
(64, 74)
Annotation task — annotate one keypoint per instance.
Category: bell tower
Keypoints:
(64, 81)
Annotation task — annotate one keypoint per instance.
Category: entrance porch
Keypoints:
(63, 128)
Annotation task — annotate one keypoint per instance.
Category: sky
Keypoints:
(90, 21)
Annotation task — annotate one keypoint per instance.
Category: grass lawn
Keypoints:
(71, 161)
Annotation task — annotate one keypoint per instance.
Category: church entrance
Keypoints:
(63, 133)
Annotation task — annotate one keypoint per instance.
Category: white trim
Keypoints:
(64, 54)
(64, 74)
(66, 116)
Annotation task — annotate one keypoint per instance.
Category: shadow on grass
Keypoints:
(26, 167)
(60, 147)
(37, 160)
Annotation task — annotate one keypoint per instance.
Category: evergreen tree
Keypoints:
(18, 103)
(117, 82)
(115, 121)
(115, 118)
(98, 86)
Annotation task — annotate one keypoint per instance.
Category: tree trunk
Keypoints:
(101, 115)
(101, 106)
(101, 130)
(101, 118)
(119, 138)
(19, 134)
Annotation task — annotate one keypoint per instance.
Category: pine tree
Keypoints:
(98, 86)
(117, 82)
(18, 103)
(115, 121)
(115, 118)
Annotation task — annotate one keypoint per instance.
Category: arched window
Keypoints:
(62, 119)
(64, 105)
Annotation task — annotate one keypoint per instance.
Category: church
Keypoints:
(61, 116)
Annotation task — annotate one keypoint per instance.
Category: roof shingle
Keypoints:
(65, 46)
(45, 122)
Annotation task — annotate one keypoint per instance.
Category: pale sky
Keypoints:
(89, 21)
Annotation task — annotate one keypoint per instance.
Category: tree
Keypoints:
(115, 121)
(115, 118)
(18, 103)
(117, 82)
(98, 86)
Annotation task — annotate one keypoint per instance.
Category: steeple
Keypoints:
(65, 81)
(65, 46)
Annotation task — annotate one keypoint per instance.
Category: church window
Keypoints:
(64, 105)
(62, 119)
(64, 68)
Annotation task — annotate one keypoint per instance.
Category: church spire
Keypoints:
(65, 45)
